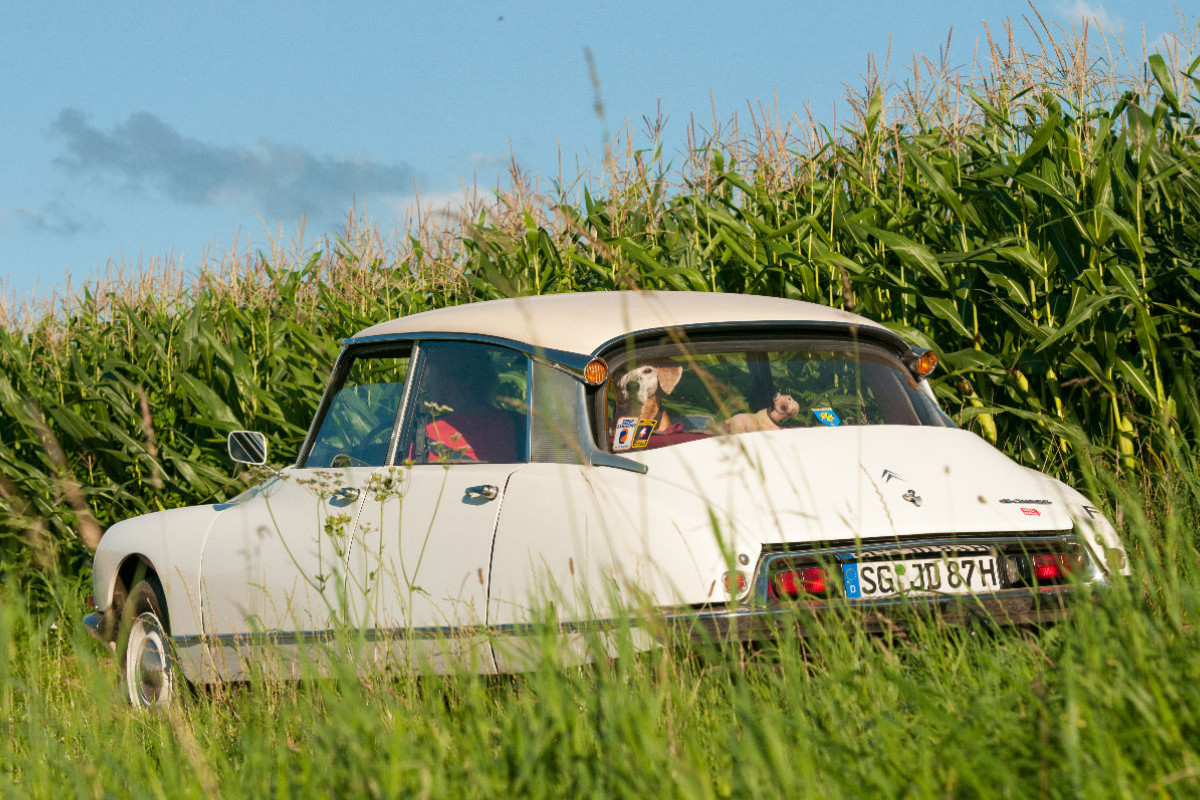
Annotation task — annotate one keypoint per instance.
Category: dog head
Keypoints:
(785, 405)
(650, 379)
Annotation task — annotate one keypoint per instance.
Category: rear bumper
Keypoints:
(1014, 608)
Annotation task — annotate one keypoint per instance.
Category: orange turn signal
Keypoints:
(596, 372)
(926, 363)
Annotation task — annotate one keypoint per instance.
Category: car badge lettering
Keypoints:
(1025, 501)
(641, 436)
(623, 436)
(912, 497)
(827, 416)
(888, 475)
(1030, 512)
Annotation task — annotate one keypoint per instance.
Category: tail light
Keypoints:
(1054, 567)
(799, 582)
(1043, 569)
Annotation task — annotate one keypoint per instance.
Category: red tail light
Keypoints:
(800, 581)
(1054, 567)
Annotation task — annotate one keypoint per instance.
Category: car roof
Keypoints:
(584, 322)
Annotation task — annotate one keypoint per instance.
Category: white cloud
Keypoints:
(433, 205)
(1167, 43)
(485, 160)
(1092, 13)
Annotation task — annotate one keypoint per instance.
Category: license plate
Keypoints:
(949, 575)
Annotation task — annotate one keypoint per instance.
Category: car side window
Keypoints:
(470, 405)
(358, 422)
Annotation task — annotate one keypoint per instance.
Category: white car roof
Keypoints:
(585, 321)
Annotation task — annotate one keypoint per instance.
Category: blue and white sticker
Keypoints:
(827, 416)
(623, 436)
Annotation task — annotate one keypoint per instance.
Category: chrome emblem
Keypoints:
(912, 497)
(888, 475)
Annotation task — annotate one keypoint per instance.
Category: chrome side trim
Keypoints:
(1007, 607)
(573, 363)
(593, 454)
(881, 335)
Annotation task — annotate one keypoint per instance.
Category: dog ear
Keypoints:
(668, 378)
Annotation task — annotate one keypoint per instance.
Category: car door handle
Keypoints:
(486, 492)
(346, 494)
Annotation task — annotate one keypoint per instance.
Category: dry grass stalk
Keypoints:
(85, 523)
(37, 538)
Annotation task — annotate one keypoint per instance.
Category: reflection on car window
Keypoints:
(471, 405)
(665, 394)
(358, 424)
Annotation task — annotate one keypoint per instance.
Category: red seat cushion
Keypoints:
(489, 436)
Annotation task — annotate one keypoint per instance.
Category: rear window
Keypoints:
(669, 393)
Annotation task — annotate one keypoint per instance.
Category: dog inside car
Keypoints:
(652, 380)
(783, 407)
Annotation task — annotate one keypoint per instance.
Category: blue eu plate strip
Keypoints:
(850, 575)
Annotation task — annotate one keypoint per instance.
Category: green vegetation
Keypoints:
(1105, 705)
(1038, 227)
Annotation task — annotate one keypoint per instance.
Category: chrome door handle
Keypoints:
(346, 494)
(487, 492)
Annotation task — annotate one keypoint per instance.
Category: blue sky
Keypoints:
(149, 129)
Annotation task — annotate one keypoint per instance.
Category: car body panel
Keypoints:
(595, 539)
(275, 562)
(422, 563)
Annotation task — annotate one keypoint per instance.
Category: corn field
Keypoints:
(1039, 227)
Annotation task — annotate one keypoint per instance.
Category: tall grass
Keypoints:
(1106, 704)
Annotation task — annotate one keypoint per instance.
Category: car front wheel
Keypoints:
(147, 668)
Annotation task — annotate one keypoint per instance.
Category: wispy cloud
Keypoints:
(55, 217)
(1173, 46)
(1091, 13)
(279, 180)
(485, 159)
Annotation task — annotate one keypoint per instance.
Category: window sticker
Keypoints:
(827, 416)
(642, 436)
(623, 436)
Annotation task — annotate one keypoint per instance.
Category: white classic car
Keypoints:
(728, 461)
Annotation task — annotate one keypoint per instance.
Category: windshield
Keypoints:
(669, 393)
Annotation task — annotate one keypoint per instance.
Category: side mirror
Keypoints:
(248, 447)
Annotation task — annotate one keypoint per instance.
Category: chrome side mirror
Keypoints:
(248, 447)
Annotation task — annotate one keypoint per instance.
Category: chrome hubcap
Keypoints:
(148, 664)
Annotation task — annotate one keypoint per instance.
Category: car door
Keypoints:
(275, 568)
(428, 524)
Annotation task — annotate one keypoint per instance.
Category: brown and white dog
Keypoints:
(783, 408)
(653, 381)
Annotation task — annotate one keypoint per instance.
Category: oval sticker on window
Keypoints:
(827, 416)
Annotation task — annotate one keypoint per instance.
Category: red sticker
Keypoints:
(1030, 512)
